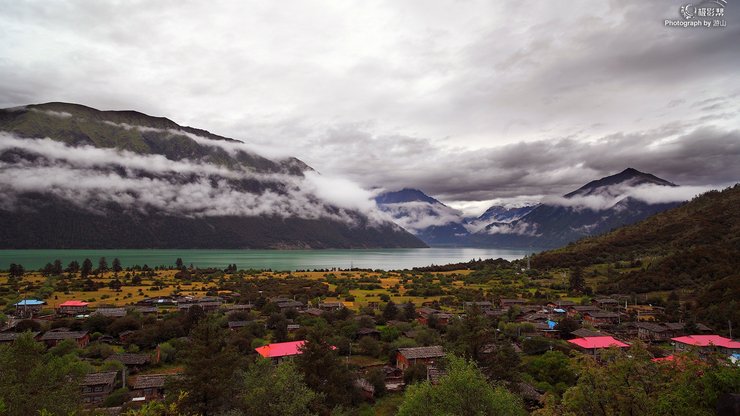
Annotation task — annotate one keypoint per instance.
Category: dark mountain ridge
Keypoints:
(123, 179)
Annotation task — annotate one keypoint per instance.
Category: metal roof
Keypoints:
(30, 302)
(598, 342)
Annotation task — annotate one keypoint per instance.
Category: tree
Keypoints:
(390, 311)
(56, 268)
(86, 268)
(552, 371)
(16, 270)
(409, 311)
(275, 390)
(73, 267)
(566, 326)
(102, 265)
(629, 383)
(324, 373)
(210, 370)
(178, 263)
(502, 363)
(117, 265)
(576, 281)
(462, 391)
(33, 382)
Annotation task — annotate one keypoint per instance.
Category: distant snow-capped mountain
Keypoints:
(595, 208)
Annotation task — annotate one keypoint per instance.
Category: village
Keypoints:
(389, 330)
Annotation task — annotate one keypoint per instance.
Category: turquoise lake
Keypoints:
(386, 259)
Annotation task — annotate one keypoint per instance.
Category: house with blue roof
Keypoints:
(27, 308)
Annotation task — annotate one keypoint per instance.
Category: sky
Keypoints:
(473, 102)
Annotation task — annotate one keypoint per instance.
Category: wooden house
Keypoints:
(133, 362)
(96, 387)
(72, 308)
(10, 337)
(146, 387)
(707, 343)
(597, 318)
(593, 345)
(406, 357)
(53, 337)
(608, 304)
(580, 310)
(507, 303)
(110, 312)
(331, 306)
(28, 308)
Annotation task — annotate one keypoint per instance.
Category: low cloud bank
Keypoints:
(91, 178)
(609, 197)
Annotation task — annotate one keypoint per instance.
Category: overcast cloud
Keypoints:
(473, 102)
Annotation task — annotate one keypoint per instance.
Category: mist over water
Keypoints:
(386, 259)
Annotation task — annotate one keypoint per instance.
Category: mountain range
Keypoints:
(595, 208)
(76, 177)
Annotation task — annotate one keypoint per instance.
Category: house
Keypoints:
(237, 325)
(707, 343)
(28, 308)
(53, 337)
(280, 351)
(393, 378)
(239, 307)
(97, 386)
(650, 332)
(133, 362)
(148, 387)
(406, 357)
(597, 318)
(507, 303)
(146, 310)
(367, 332)
(495, 313)
(587, 333)
(483, 306)
(124, 336)
(608, 304)
(592, 345)
(644, 313)
(9, 337)
(576, 310)
(313, 312)
(560, 304)
(72, 308)
(426, 313)
(110, 312)
(331, 306)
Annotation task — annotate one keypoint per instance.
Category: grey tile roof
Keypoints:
(94, 379)
(61, 335)
(422, 352)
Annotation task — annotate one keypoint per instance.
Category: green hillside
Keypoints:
(693, 249)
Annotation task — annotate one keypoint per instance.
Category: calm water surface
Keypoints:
(386, 259)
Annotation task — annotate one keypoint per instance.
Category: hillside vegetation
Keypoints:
(693, 248)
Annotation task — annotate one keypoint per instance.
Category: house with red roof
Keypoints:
(592, 345)
(73, 307)
(281, 350)
(707, 343)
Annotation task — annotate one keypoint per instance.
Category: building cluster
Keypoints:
(603, 323)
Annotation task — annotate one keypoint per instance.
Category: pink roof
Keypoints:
(708, 340)
(74, 303)
(598, 342)
(668, 358)
(281, 349)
